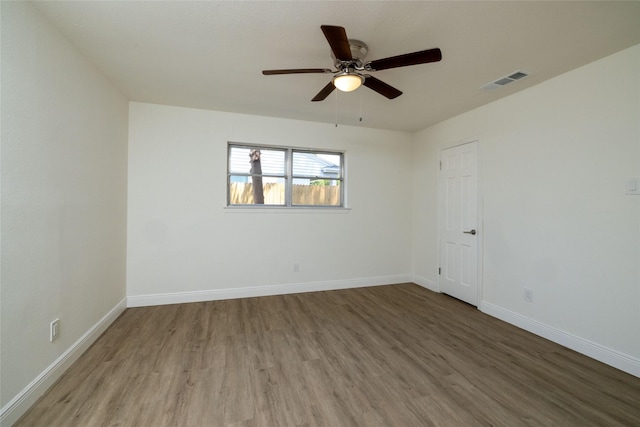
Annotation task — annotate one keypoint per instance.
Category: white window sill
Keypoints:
(285, 210)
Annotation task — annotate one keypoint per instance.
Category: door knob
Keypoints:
(470, 232)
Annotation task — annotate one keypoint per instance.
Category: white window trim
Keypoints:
(288, 178)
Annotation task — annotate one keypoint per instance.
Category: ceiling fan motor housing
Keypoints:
(359, 50)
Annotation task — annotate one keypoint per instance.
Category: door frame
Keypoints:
(480, 236)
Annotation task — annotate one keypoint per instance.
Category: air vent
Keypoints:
(503, 81)
(518, 75)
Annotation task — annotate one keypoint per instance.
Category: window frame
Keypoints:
(288, 176)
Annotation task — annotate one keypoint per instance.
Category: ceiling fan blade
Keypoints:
(381, 87)
(415, 58)
(324, 92)
(337, 38)
(297, 71)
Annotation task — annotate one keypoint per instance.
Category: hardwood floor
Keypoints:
(382, 356)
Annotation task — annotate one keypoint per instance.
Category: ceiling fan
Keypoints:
(350, 73)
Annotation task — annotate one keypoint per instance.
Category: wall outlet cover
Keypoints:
(528, 295)
(54, 330)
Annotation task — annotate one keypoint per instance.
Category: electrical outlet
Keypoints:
(528, 295)
(296, 267)
(54, 330)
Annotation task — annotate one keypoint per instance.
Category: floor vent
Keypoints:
(503, 81)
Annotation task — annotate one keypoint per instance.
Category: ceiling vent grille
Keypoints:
(503, 81)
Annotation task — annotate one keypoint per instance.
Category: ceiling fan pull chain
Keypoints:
(337, 108)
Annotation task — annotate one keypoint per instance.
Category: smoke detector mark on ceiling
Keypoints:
(503, 81)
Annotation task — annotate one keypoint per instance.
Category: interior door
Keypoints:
(458, 224)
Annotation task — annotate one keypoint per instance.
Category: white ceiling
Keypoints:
(209, 54)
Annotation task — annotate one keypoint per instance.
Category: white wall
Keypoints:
(555, 159)
(64, 165)
(182, 240)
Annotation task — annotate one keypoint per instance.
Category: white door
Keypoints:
(458, 222)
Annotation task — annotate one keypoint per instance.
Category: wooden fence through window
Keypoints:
(318, 195)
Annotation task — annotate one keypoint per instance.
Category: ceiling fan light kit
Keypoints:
(348, 56)
(348, 82)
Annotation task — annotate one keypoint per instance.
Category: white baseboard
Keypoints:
(17, 406)
(260, 291)
(596, 351)
(425, 283)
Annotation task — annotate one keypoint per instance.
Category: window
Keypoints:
(284, 176)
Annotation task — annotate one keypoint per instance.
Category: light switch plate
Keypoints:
(633, 186)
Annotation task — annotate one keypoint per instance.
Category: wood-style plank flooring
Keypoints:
(382, 356)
